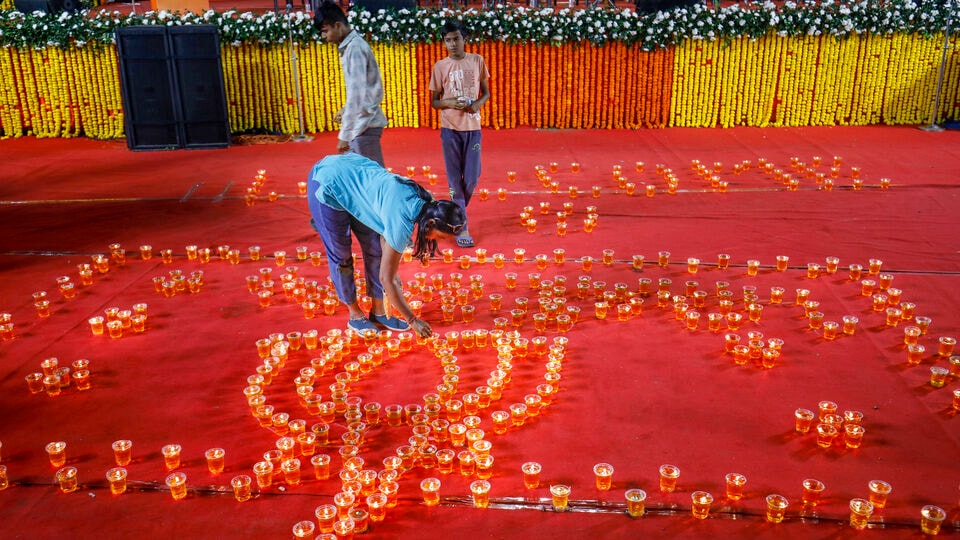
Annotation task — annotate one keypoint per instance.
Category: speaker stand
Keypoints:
(295, 72)
(933, 126)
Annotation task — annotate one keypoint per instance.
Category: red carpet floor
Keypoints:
(636, 394)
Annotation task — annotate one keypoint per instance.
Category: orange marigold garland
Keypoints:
(636, 86)
(582, 87)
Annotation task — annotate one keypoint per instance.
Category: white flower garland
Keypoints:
(597, 26)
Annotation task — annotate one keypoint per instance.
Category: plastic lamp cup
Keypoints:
(603, 475)
(531, 474)
(701, 501)
(635, 502)
(735, 483)
(177, 482)
(241, 487)
(879, 490)
(931, 518)
(668, 477)
(560, 494)
(860, 512)
(776, 508)
(117, 479)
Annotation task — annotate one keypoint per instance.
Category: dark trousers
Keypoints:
(461, 157)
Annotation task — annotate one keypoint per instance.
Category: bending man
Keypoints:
(348, 192)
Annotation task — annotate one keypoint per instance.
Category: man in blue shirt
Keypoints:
(349, 192)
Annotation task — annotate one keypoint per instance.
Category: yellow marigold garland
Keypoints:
(311, 95)
(830, 85)
(399, 68)
(783, 81)
(29, 89)
(950, 104)
(794, 94)
(913, 73)
(871, 80)
(844, 76)
(101, 104)
(283, 99)
(11, 119)
(729, 94)
(682, 80)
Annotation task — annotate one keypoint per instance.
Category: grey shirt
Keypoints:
(361, 76)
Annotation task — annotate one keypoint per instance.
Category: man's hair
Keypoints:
(329, 13)
(453, 26)
(447, 217)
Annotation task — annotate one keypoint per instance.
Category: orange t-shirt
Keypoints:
(459, 78)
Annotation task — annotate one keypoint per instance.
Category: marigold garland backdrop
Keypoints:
(833, 63)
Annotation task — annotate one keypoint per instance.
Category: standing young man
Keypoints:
(362, 120)
(459, 86)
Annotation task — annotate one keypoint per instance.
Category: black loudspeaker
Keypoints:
(652, 6)
(29, 6)
(46, 6)
(67, 5)
(376, 5)
(147, 89)
(172, 87)
(203, 103)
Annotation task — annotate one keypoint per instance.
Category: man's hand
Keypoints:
(421, 327)
(342, 146)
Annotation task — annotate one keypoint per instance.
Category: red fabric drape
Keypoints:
(636, 394)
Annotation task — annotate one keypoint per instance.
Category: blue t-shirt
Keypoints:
(370, 193)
